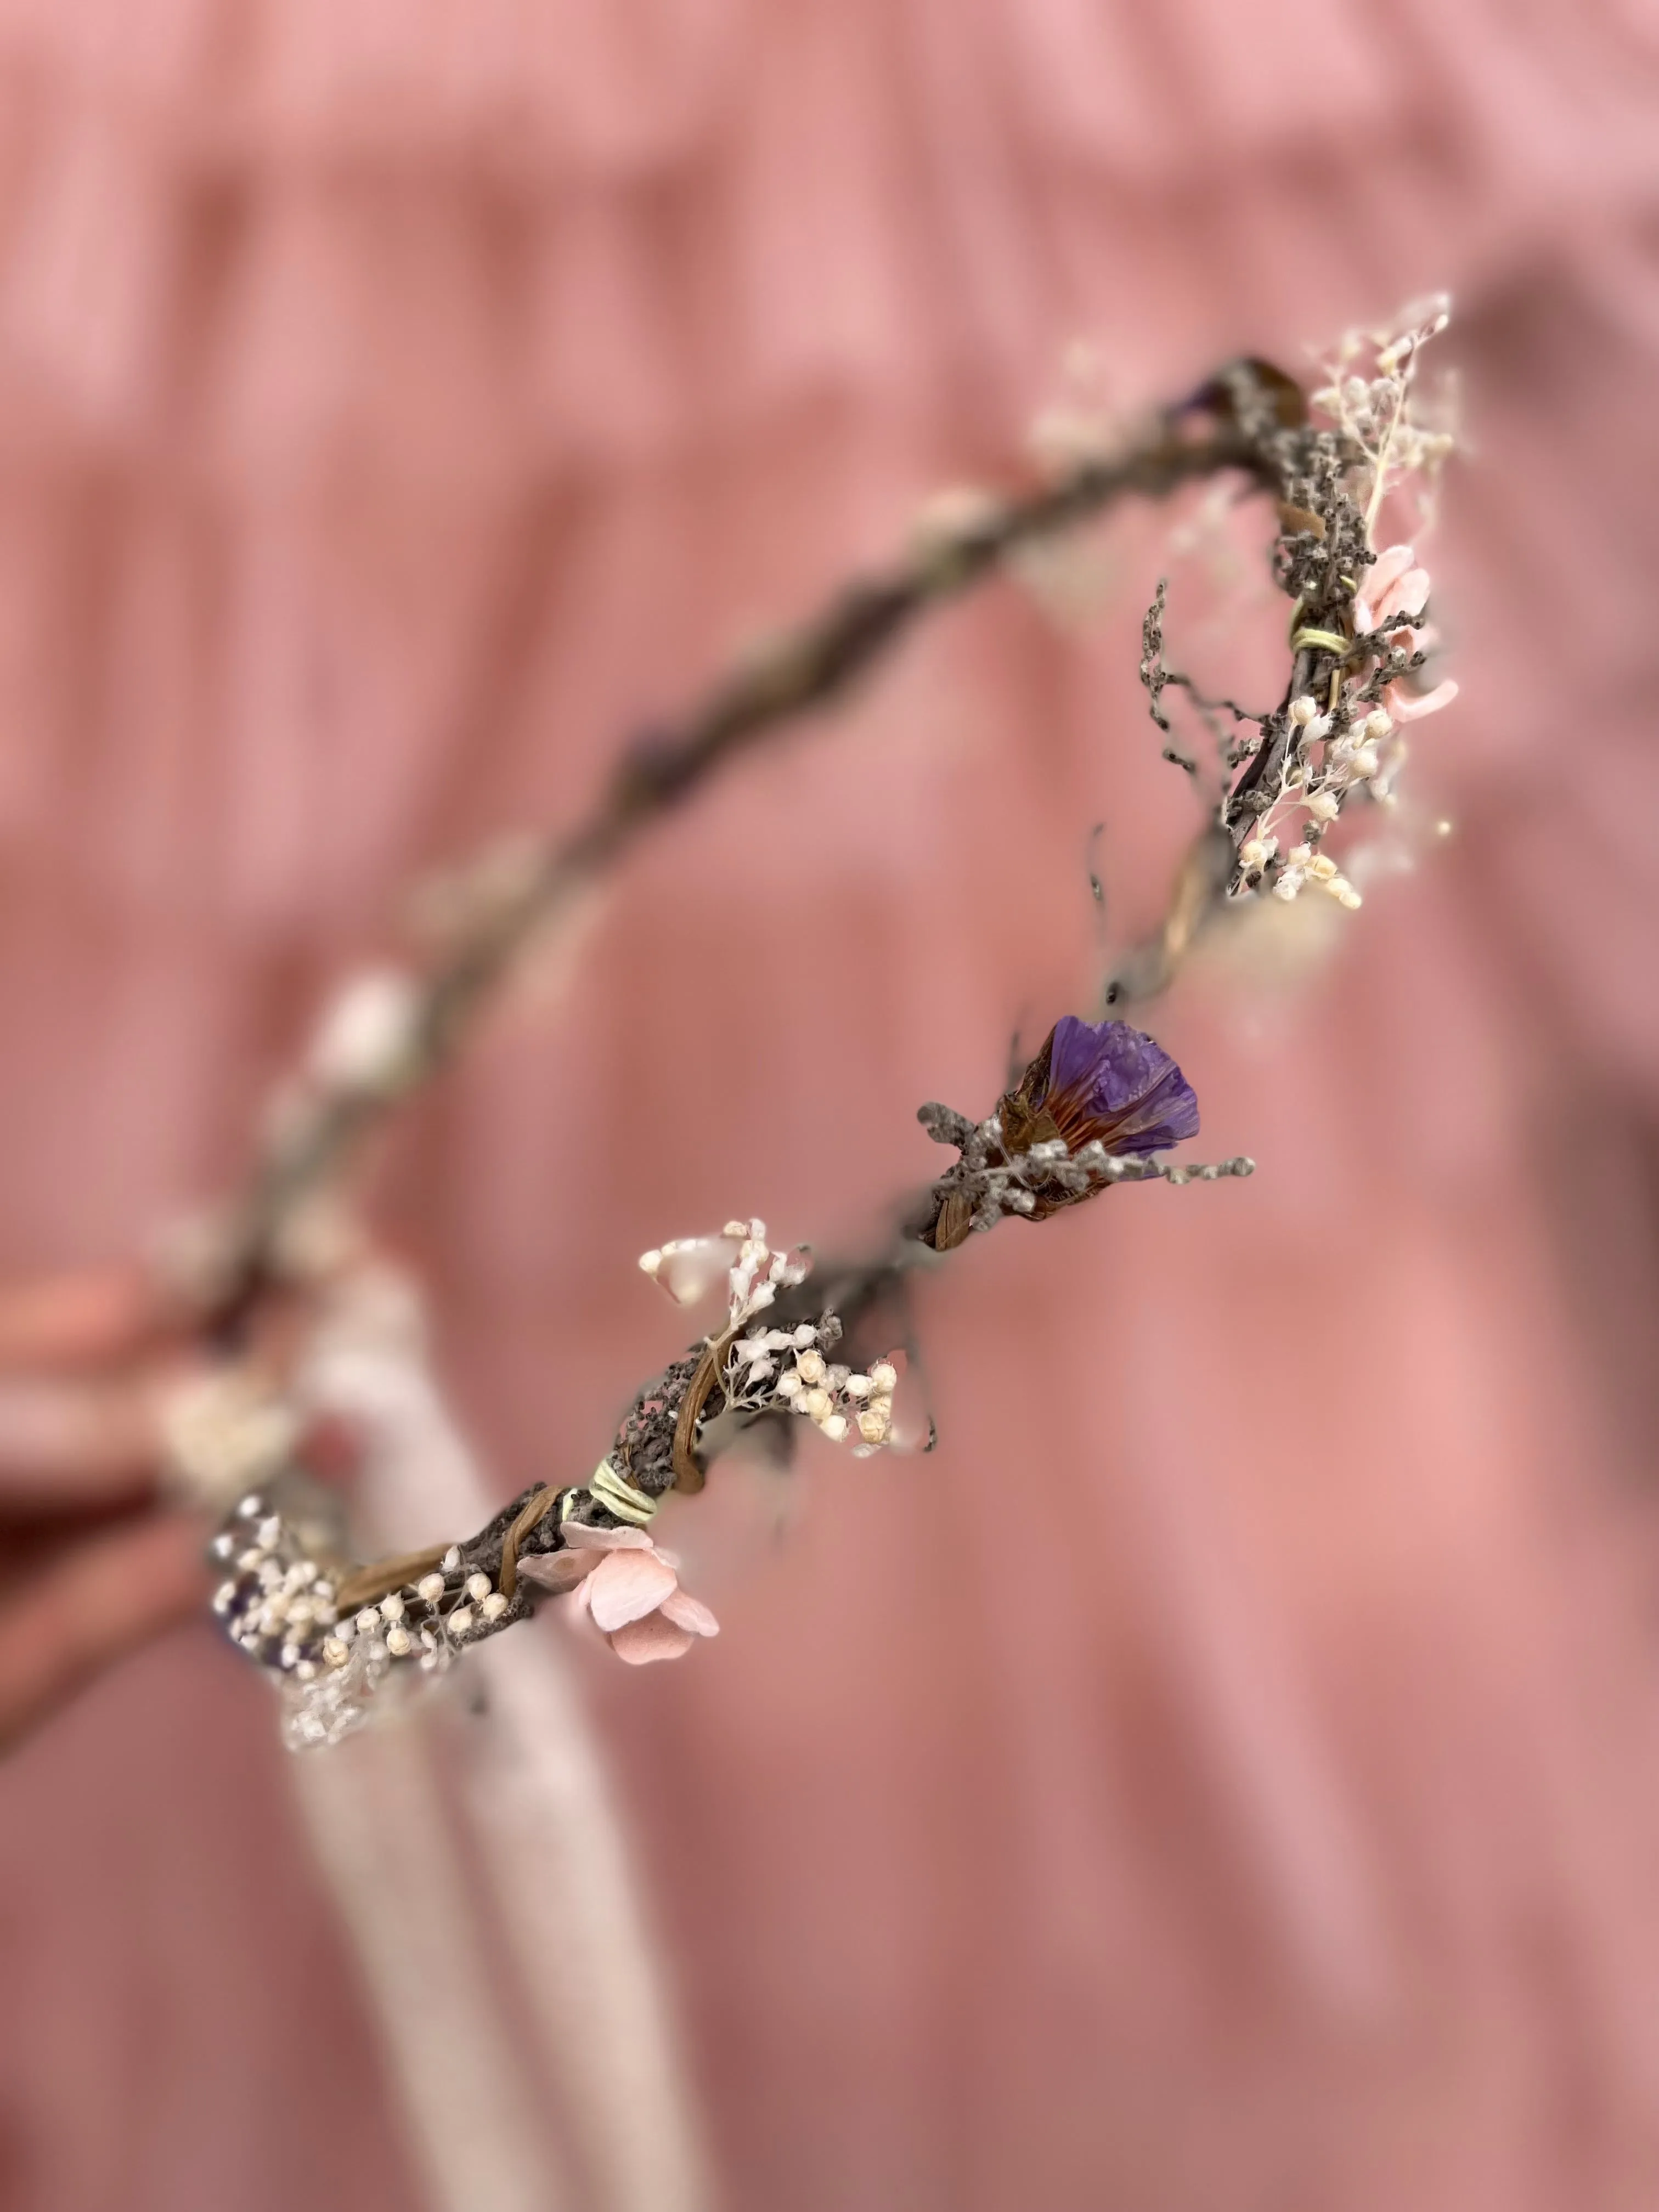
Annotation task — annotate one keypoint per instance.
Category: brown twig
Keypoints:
(803, 671)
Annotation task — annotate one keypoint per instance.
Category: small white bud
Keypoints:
(649, 1262)
(814, 1403)
(835, 1427)
(430, 1587)
(367, 1036)
(336, 1650)
(1321, 867)
(859, 1386)
(789, 1385)
(222, 1547)
(811, 1367)
(275, 1608)
(306, 1670)
(391, 1609)
(224, 1597)
(1377, 725)
(1366, 760)
(478, 1586)
(1324, 807)
(368, 1620)
(874, 1423)
(452, 1558)
(804, 1335)
(1288, 884)
(494, 1606)
(398, 1642)
(1304, 709)
(1299, 855)
(460, 1620)
(885, 1376)
(1344, 894)
(1252, 854)
(290, 1653)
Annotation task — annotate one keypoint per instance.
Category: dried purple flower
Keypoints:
(1102, 1083)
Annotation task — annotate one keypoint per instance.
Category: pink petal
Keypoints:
(1409, 596)
(558, 1571)
(579, 1537)
(691, 1614)
(625, 1586)
(1404, 707)
(1390, 564)
(642, 1641)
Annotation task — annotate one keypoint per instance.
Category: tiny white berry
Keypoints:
(336, 1651)
(391, 1609)
(884, 1376)
(460, 1620)
(478, 1586)
(398, 1642)
(430, 1587)
(494, 1606)
(369, 1618)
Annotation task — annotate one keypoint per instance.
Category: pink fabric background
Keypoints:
(1226, 1772)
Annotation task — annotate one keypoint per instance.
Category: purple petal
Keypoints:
(1109, 1081)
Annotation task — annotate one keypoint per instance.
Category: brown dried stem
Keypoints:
(803, 671)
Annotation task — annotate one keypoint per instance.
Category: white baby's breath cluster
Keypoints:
(224, 1434)
(1371, 393)
(777, 1370)
(688, 1269)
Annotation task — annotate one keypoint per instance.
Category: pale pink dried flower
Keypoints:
(629, 1590)
(1395, 585)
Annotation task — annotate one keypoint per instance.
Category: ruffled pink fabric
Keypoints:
(1241, 1789)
